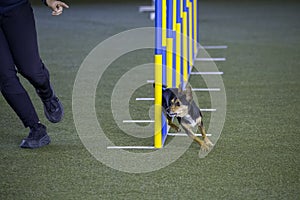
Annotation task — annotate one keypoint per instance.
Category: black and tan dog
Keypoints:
(180, 104)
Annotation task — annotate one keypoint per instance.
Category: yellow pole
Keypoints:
(164, 23)
(158, 101)
(184, 43)
(190, 33)
(177, 29)
(178, 53)
(195, 27)
(169, 62)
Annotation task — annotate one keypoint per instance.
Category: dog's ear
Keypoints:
(189, 95)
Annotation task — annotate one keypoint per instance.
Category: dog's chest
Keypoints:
(188, 119)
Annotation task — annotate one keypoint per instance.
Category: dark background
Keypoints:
(149, 1)
(98, 1)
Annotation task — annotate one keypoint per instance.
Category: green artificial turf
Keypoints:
(257, 155)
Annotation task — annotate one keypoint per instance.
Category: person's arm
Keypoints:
(56, 6)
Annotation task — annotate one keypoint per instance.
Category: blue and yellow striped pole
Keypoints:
(169, 43)
(195, 27)
(176, 47)
(184, 43)
(190, 38)
(178, 42)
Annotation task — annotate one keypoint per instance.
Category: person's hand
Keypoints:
(56, 6)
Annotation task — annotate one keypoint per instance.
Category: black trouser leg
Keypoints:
(19, 49)
(19, 28)
(11, 88)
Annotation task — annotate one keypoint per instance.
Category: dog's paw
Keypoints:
(177, 129)
(208, 142)
(204, 147)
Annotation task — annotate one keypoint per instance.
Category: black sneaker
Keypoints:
(53, 109)
(37, 137)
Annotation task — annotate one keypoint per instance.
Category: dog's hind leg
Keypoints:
(204, 136)
(192, 135)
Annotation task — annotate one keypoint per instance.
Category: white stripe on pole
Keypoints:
(210, 59)
(206, 89)
(131, 147)
(184, 134)
(146, 8)
(215, 47)
(208, 110)
(207, 73)
(138, 121)
(144, 99)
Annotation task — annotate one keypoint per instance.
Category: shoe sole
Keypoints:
(33, 144)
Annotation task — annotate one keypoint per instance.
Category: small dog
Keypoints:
(180, 104)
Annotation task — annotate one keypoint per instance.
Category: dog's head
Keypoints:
(179, 105)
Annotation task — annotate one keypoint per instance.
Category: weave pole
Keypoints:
(158, 70)
(175, 51)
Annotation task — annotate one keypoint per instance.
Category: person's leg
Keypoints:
(18, 99)
(20, 31)
(11, 88)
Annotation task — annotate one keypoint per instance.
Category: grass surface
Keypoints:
(257, 155)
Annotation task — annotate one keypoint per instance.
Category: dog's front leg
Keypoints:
(172, 125)
(191, 134)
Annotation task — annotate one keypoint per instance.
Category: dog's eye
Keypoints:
(177, 104)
